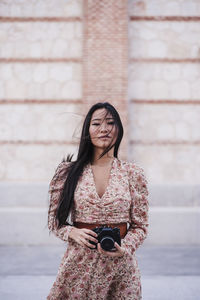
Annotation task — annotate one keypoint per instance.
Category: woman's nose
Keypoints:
(104, 127)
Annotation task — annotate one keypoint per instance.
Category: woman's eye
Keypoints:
(109, 123)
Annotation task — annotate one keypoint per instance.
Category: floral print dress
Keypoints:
(84, 273)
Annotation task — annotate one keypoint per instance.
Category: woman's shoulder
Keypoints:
(61, 169)
(62, 166)
(136, 174)
(131, 166)
(59, 175)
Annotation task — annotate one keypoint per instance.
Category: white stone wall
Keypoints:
(164, 67)
(41, 8)
(174, 39)
(40, 60)
(36, 137)
(164, 7)
(56, 122)
(41, 109)
(164, 110)
(169, 164)
(41, 81)
(41, 39)
(165, 123)
(171, 81)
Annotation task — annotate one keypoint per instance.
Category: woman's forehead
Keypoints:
(100, 114)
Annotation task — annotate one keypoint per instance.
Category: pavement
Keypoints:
(167, 272)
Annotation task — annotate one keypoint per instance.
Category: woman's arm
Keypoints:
(137, 231)
(55, 189)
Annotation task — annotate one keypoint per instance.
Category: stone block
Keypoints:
(61, 73)
(75, 48)
(157, 49)
(41, 39)
(41, 122)
(164, 122)
(32, 162)
(173, 72)
(137, 88)
(2, 91)
(30, 81)
(6, 71)
(51, 88)
(164, 8)
(180, 167)
(40, 8)
(40, 73)
(72, 89)
(164, 81)
(191, 8)
(183, 131)
(181, 89)
(164, 39)
(159, 88)
(195, 90)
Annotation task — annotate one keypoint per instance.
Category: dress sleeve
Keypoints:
(137, 231)
(55, 189)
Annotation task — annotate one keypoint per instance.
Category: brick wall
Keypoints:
(105, 57)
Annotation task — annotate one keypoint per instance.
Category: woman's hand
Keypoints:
(83, 236)
(118, 253)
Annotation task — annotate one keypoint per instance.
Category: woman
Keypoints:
(98, 189)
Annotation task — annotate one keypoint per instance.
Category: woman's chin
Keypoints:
(102, 145)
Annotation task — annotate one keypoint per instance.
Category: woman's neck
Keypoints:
(104, 160)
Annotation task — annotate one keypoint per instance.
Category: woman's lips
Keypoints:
(104, 137)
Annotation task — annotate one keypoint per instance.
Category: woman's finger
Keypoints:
(117, 253)
(86, 243)
(90, 232)
(107, 253)
(119, 248)
(81, 243)
(89, 237)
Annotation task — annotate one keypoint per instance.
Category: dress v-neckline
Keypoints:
(109, 180)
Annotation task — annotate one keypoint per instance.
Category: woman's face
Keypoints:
(102, 130)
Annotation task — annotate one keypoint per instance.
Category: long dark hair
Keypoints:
(84, 156)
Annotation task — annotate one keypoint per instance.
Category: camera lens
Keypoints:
(107, 243)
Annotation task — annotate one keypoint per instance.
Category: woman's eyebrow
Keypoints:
(100, 119)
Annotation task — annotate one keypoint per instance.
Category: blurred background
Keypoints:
(59, 57)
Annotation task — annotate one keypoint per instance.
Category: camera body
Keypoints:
(107, 236)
